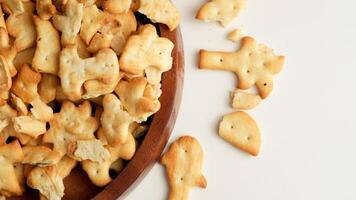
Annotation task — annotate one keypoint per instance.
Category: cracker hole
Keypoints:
(265, 84)
(250, 54)
(248, 71)
(221, 60)
(248, 138)
(181, 178)
(232, 126)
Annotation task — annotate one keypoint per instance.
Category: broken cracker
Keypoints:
(45, 9)
(117, 6)
(19, 104)
(223, 11)
(29, 125)
(92, 150)
(253, 63)
(24, 57)
(47, 87)
(244, 100)
(161, 11)
(15, 7)
(239, 129)
(147, 53)
(235, 35)
(93, 20)
(183, 162)
(40, 155)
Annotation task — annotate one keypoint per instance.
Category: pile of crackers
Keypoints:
(254, 65)
(78, 80)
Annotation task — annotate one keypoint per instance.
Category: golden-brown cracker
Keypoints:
(2, 19)
(138, 98)
(96, 75)
(138, 130)
(93, 20)
(15, 7)
(22, 27)
(46, 58)
(69, 23)
(40, 155)
(183, 162)
(223, 11)
(117, 6)
(243, 100)
(65, 166)
(10, 154)
(70, 124)
(25, 87)
(235, 35)
(161, 11)
(82, 48)
(5, 76)
(47, 181)
(239, 129)
(118, 165)
(19, 104)
(7, 50)
(24, 57)
(45, 9)
(3, 124)
(115, 121)
(147, 53)
(253, 63)
(47, 87)
(29, 126)
(93, 150)
(126, 21)
(99, 172)
(19, 171)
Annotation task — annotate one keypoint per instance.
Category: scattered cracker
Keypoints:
(254, 64)
(161, 11)
(235, 35)
(183, 162)
(244, 100)
(241, 130)
(223, 11)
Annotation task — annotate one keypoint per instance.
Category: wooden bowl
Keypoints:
(78, 185)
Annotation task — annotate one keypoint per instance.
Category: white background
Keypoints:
(307, 124)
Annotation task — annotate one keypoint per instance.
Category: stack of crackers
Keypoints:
(78, 79)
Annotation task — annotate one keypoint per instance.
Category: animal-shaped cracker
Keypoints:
(254, 64)
(93, 150)
(138, 98)
(70, 124)
(29, 126)
(15, 7)
(69, 23)
(147, 53)
(115, 121)
(45, 9)
(223, 11)
(244, 100)
(239, 129)
(117, 6)
(25, 87)
(183, 162)
(99, 172)
(96, 75)
(40, 155)
(46, 58)
(47, 87)
(93, 20)
(161, 11)
(22, 27)
(47, 181)
(10, 154)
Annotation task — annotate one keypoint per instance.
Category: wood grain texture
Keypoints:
(77, 184)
